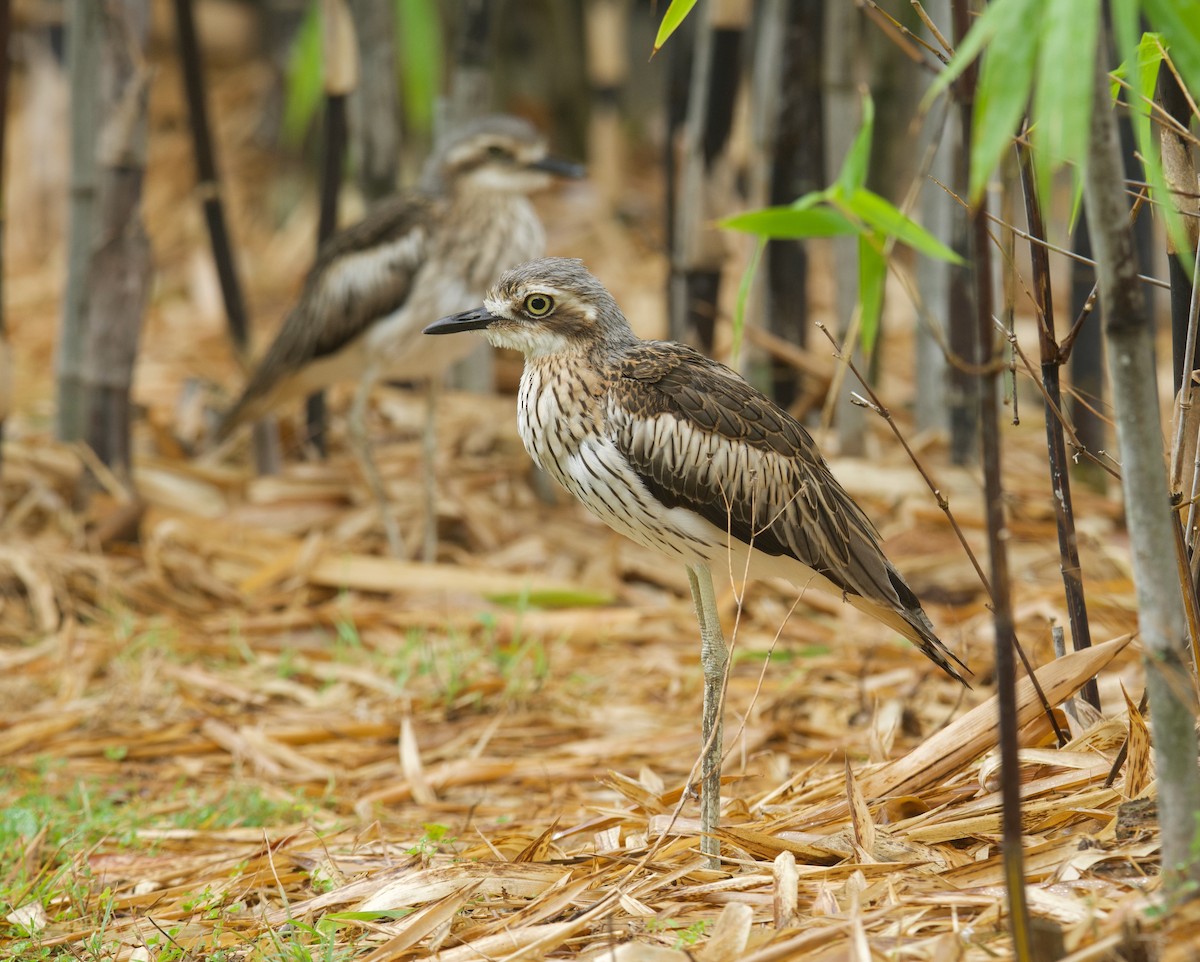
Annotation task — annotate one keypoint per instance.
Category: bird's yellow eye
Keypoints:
(538, 305)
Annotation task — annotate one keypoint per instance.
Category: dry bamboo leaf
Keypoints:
(23, 735)
(410, 764)
(813, 849)
(30, 917)
(860, 817)
(176, 490)
(975, 732)
(729, 936)
(236, 743)
(370, 573)
(519, 881)
(530, 942)
(413, 928)
(37, 587)
(786, 891)
(1138, 762)
(947, 948)
(639, 952)
(632, 907)
(297, 767)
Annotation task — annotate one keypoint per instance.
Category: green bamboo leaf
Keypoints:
(884, 217)
(1062, 101)
(743, 295)
(674, 16)
(552, 598)
(872, 277)
(853, 174)
(1142, 56)
(791, 222)
(303, 93)
(1005, 80)
(1179, 23)
(419, 42)
(1141, 79)
(996, 17)
(811, 199)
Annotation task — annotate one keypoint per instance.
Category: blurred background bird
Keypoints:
(423, 254)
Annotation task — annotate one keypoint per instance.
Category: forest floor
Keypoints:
(247, 734)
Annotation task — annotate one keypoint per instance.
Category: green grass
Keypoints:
(49, 823)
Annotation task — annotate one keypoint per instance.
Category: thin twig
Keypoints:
(879, 408)
(1189, 386)
(932, 28)
(1146, 279)
(901, 35)
(1052, 406)
(1060, 473)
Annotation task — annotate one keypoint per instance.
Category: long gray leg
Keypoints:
(357, 423)
(714, 660)
(429, 472)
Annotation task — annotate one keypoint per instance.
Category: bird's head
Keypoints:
(496, 153)
(548, 306)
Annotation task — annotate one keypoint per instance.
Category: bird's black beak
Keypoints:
(466, 321)
(560, 167)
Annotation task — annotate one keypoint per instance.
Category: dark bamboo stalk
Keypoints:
(208, 186)
(796, 168)
(332, 159)
(1129, 341)
(376, 117)
(698, 252)
(1085, 345)
(341, 72)
(471, 90)
(962, 388)
(677, 91)
(208, 182)
(1002, 618)
(472, 93)
(1060, 475)
(1175, 103)
(5, 362)
(83, 58)
(119, 268)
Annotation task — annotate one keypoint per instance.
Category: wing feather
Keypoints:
(361, 274)
(747, 467)
(700, 437)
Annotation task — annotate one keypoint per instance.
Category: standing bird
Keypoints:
(374, 285)
(679, 453)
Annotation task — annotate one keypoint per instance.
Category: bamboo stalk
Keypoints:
(118, 267)
(471, 94)
(5, 362)
(341, 77)
(376, 114)
(1129, 338)
(83, 58)
(1060, 473)
(208, 186)
(796, 167)
(699, 248)
(1002, 618)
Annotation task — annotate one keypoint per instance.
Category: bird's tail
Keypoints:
(915, 625)
(251, 406)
